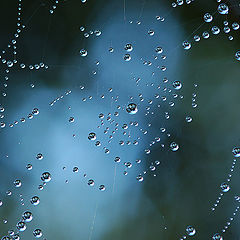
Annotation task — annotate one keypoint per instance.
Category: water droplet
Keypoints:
(196, 38)
(236, 151)
(17, 183)
(207, 17)
(139, 178)
(215, 30)
(46, 177)
(235, 26)
(102, 188)
(97, 33)
(237, 55)
(132, 108)
(27, 216)
(186, 45)
(92, 136)
(83, 52)
(128, 47)
(223, 8)
(35, 200)
(217, 236)
(117, 159)
(111, 50)
(21, 226)
(151, 32)
(158, 50)
(29, 166)
(71, 119)
(205, 35)
(9, 64)
(127, 57)
(174, 146)
(177, 85)
(75, 169)
(190, 230)
(39, 156)
(91, 182)
(37, 233)
(225, 187)
(188, 119)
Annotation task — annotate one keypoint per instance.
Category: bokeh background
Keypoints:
(183, 188)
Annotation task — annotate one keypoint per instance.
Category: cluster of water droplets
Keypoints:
(225, 186)
(53, 7)
(226, 28)
(10, 60)
(181, 2)
(132, 108)
(30, 116)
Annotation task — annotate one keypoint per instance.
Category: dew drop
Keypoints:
(21, 226)
(177, 85)
(128, 47)
(102, 188)
(27, 216)
(217, 236)
(39, 156)
(35, 200)
(17, 183)
(223, 8)
(186, 45)
(127, 57)
(207, 17)
(190, 231)
(237, 55)
(225, 187)
(83, 52)
(132, 108)
(46, 177)
(37, 233)
(91, 182)
(174, 146)
(92, 136)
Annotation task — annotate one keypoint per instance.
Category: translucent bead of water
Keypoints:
(35, 200)
(39, 156)
(236, 150)
(128, 47)
(127, 57)
(27, 216)
(191, 231)
(177, 85)
(223, 8)
(217, 236)
(91, 182)
(207, 17)
(46, 177)
(17, 183)
(132, 108)
(225, 187)
(83, 52)
(174, 146)
(21, 226)
(186, 45)
(235, 26)
(92, 136)
(37, 233)
(215, 30)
